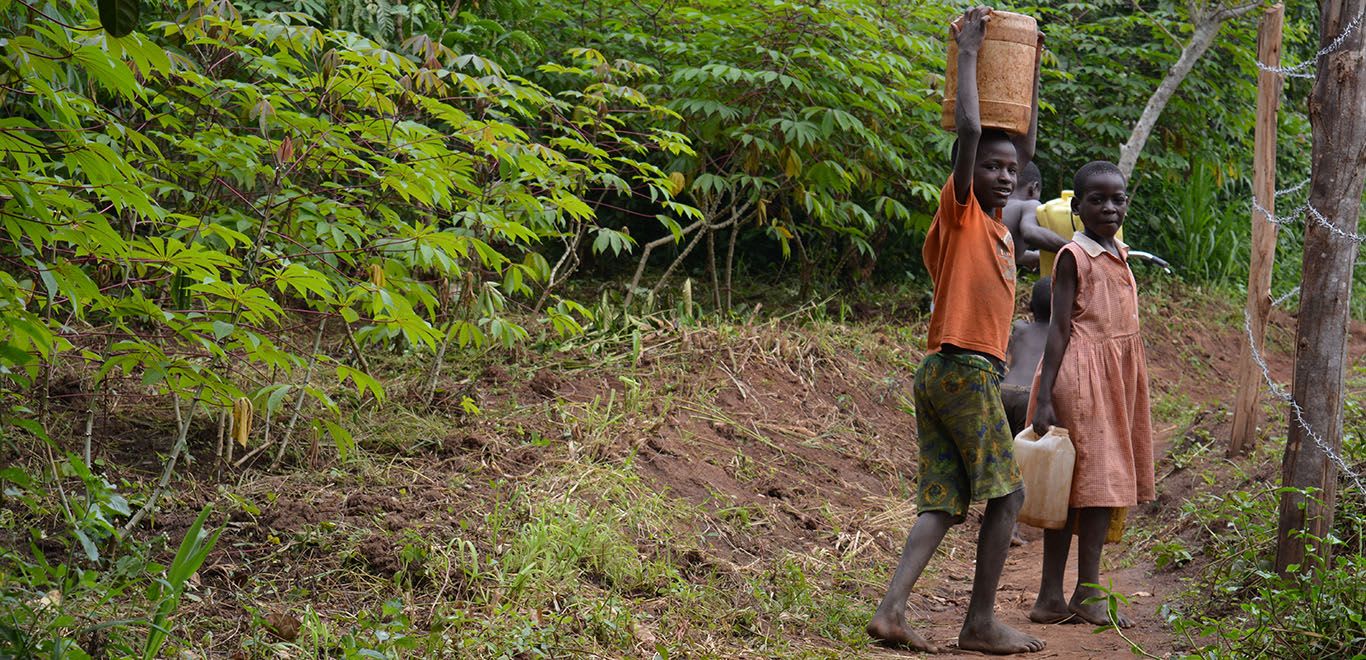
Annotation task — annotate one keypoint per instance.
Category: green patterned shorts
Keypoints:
(966, 449)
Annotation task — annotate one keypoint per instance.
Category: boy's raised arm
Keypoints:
(1024, 144)
(969, 31)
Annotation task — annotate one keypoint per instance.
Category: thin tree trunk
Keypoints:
(182, 432)
(668, 272)
(730, 263)
(299, 402)
(808, 268)
(735, 215)
(355, 348)
(1206, 29)
(561, 271)
(645, 258)
(708, 209)
(1339, 157)
(712, 270)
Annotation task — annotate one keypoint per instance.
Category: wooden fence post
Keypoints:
(1339, 174)
(1245, 408)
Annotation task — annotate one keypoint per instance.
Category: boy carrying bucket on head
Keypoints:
(964, 439)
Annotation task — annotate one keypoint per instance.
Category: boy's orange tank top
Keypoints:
(971, 259)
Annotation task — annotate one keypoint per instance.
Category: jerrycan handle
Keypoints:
(1028, 434)
(1059, 432)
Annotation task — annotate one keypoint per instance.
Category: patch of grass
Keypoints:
(539, 526)
(1174, 408)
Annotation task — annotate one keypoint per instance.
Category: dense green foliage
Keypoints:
(177, 204)
(174, 202)
(1103, 60)
(172, 205)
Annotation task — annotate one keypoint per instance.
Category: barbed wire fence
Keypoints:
(1307, 213)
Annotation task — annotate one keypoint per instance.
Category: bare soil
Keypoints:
(805, 435)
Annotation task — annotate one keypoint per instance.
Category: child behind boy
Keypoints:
(1027, 339)
(1023, 203)
(965, 445)
(1026, 349)
(1093, 381)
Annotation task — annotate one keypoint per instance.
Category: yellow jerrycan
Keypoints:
(1046, 464)
(1056, 215)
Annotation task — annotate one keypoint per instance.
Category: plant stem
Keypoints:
(299, 402)
(730, 263)
(89, 428)
(184, 431)
(430, 389)
(556, 276)
(355, 348)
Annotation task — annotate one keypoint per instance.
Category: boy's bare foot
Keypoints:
(1015, 539)
(996, 637)
(896, 634)
(1096, 614)
(1051, 611)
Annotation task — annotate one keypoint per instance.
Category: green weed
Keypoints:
(1170, 554)
(1201, 231)
(1242, 607)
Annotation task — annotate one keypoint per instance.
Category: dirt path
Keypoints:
(941, 607)
(937, 611)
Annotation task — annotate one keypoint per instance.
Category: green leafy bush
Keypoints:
(1201, 226)
(179, 206)
(173, 205)
(1239, 606)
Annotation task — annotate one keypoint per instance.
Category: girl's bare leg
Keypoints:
(1094, 522)
(1051, 605)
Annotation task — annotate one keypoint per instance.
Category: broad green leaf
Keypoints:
(119, 17)
(91, 552)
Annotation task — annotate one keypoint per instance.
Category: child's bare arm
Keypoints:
(1039, 237)
(1059, 336)
(969, 31)
(1024, 144)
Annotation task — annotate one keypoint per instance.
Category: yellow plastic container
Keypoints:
(1005, 74)
(1115, 532)
(1046, 464)
(1056, 215)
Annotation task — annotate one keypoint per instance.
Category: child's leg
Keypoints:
(942, 496)
(1051, 606)
(889, 623)
(1015, 399)
(976, 419)
(1093, 523)
(981, 631)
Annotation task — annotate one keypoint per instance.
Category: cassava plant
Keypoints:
(223, 208)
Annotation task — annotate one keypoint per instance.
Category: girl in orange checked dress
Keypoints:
(1093, 381)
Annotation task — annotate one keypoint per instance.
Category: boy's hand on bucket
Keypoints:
(971, 28)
